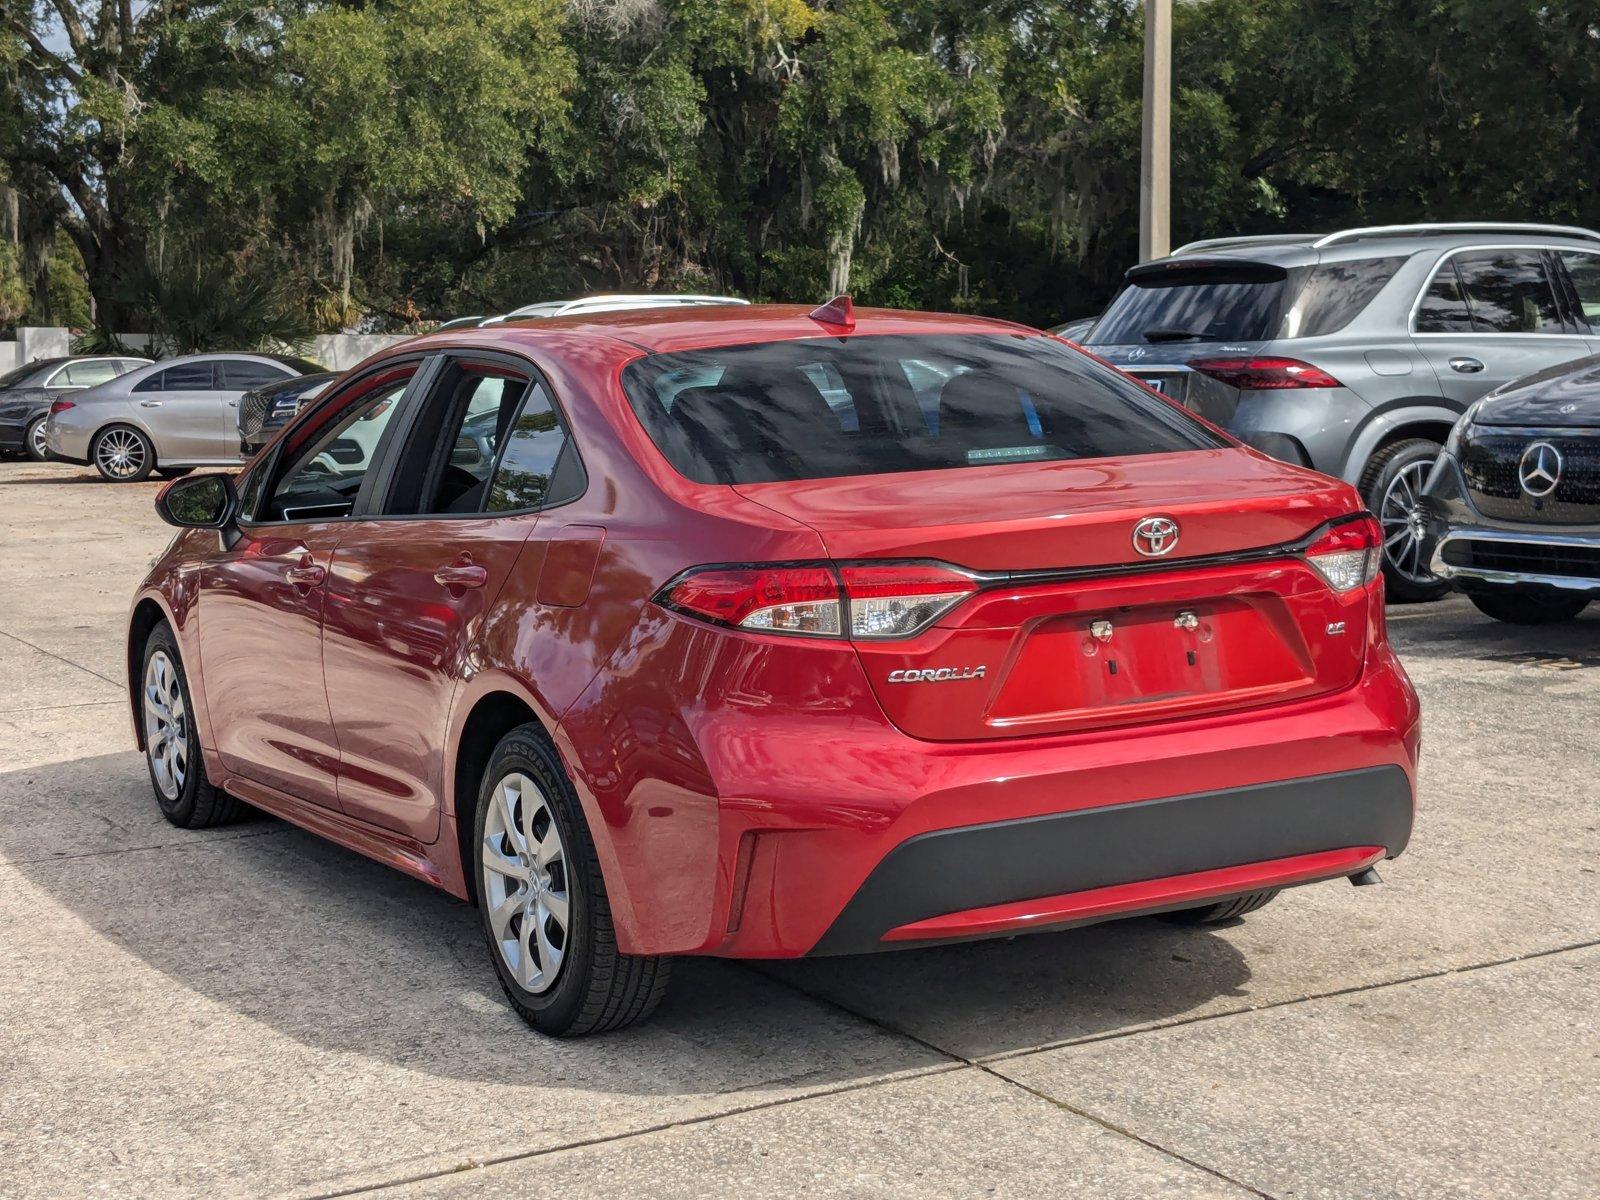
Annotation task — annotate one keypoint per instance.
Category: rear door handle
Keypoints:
(149, 404)
(463, 573)
(1466, 366)
(305, 573)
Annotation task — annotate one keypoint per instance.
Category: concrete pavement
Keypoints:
(250, 1011)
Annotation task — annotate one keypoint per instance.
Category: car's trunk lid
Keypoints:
(1074, 628)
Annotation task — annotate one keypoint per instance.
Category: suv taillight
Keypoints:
(883, 600)
(1348, 556)
(1264, 374)
(61, 406)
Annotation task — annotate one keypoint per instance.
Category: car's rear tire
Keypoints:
(1391, 485)
(122, 454)
(1523, 608)
(33, 440)
(543, 902)
(172, 745)
(1222, 911)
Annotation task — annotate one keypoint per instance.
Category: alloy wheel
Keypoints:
(524, 884)
(166, 730)
(1405, 523)
(120, 453)
(36, 439)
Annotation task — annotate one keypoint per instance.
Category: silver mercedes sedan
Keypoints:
(168, 417)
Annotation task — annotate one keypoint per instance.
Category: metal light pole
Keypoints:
(1155, 166)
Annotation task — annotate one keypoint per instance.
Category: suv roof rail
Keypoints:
(1383, 231)
(1256, 239)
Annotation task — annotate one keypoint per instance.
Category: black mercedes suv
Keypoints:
(1512, 507)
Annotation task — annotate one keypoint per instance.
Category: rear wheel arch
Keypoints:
(493, 715)
(1421, 418)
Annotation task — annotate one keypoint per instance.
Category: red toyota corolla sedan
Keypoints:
(766, 633)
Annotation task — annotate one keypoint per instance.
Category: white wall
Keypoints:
(33, 342)
(341, 351)
(336, 351)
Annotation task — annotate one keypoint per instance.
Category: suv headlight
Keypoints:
(1458, 432)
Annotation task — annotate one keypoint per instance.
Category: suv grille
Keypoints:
(252, 415)
(1525, 558)
(1489, 463)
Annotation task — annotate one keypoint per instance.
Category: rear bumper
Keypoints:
(65, 445)
(1075, 867)
(755, 821)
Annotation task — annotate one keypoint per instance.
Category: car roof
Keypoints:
(1377, 241)
(694, 327)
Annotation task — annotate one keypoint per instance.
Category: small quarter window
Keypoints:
(1335, 293)
(537, 466)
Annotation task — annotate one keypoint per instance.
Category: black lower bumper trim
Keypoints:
(951, 870)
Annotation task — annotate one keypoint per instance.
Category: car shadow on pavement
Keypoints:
(340, 953)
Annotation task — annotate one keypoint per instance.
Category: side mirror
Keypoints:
(199, 502)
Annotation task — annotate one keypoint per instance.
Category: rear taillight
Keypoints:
(896, 600)
(61, 406)
(802, 600)
(1264, 374)
(1348, 556)
(884, 600)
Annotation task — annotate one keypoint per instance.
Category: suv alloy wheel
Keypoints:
(1392, 487)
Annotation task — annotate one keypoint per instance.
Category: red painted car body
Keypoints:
(755, 794)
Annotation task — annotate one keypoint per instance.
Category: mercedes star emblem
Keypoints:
(1540, 469)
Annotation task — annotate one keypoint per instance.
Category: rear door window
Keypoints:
(88, 374)
(1242, 302)
(815, 408)
(185, 377)
(1504, 291)
(240, 374)
(1584, 271)
(1443, 308)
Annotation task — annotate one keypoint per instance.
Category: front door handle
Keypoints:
(463, 573)
(149, 404)
(306, 574)
(1466, 366)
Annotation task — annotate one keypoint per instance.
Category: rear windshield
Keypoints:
(821, 407)
(1247, 302)
(1242, 303)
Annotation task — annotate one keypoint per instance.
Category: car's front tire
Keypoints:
(1392, 486)
(171, 742)
(543, 902)
(1523, 608)
(1223, 911)
(122, 454)
(33, 440)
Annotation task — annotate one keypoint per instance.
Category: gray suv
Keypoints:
(1355, 352)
